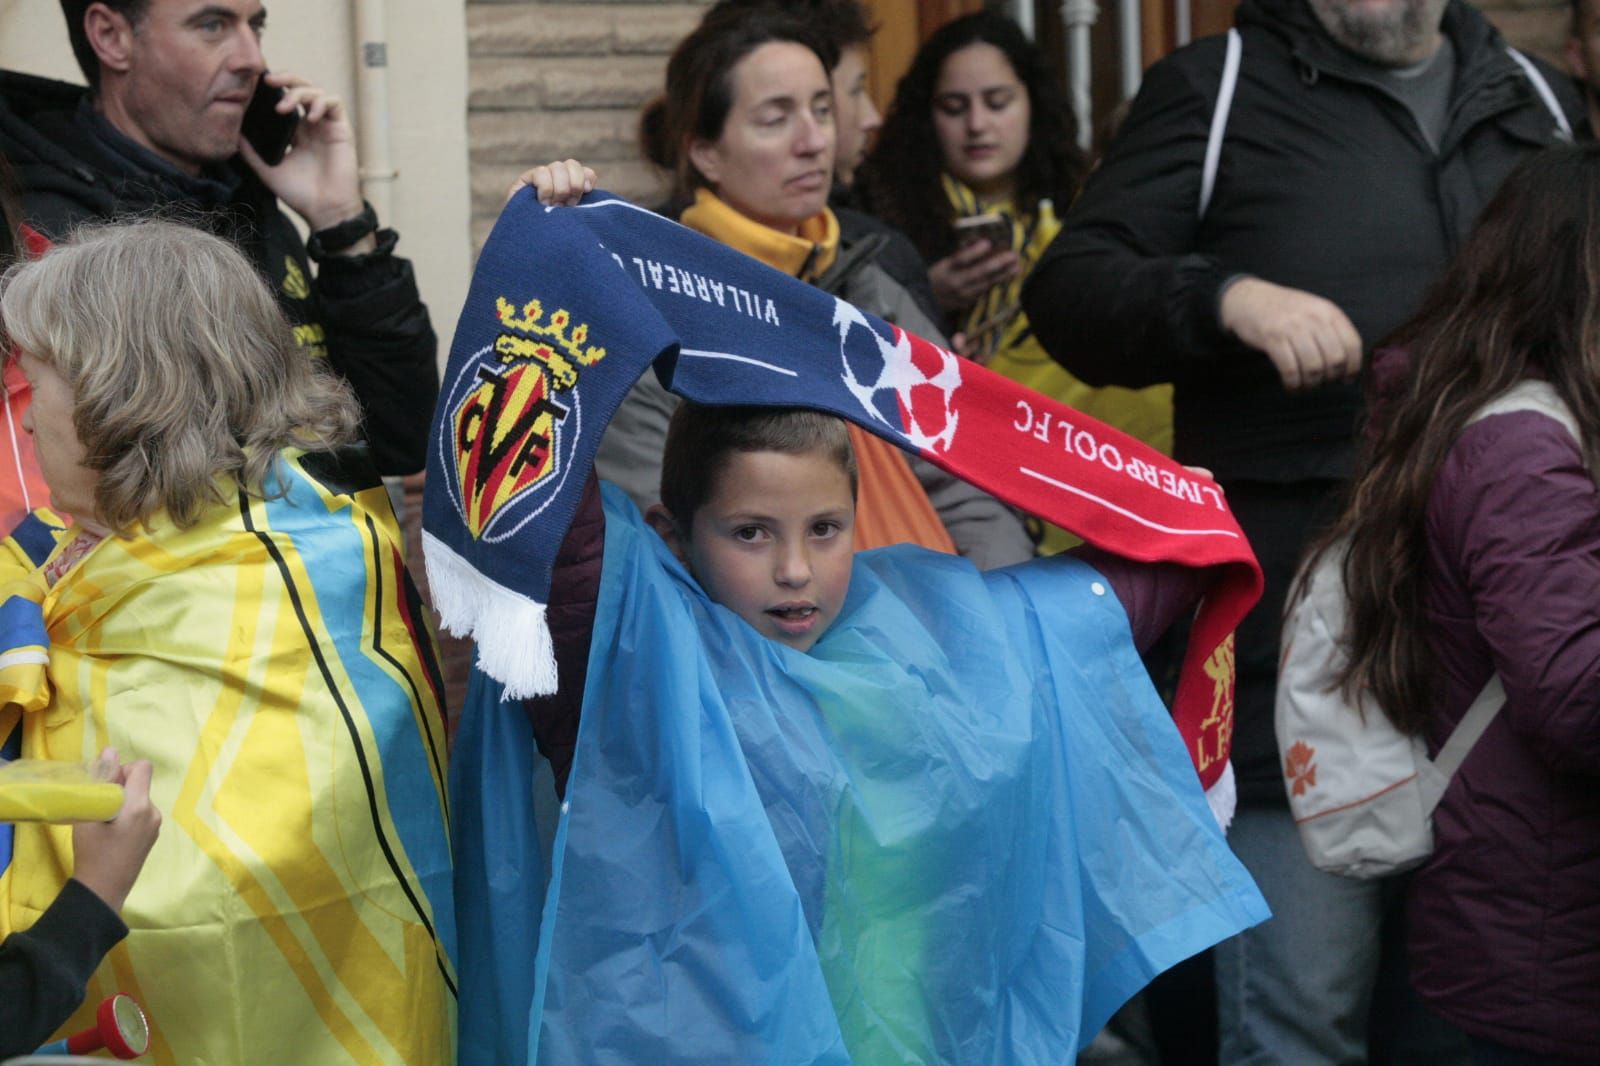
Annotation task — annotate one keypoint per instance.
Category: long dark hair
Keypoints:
(1523, 296)
(900, 178)
(699, 90)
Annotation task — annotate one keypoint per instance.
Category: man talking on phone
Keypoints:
(162, 128)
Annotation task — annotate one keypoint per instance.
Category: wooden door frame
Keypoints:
(902, 27)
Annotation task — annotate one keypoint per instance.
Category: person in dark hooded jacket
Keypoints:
(1362, 141)
(158, 131)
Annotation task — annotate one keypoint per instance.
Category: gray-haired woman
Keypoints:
(229, 602)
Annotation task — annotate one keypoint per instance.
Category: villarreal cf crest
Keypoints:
(517, 419)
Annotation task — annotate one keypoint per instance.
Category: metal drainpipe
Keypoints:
(1132, 47)
(1022, 11)
(372, 139)
(372, 105)
(1079, 17)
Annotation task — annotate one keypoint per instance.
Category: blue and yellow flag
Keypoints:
(273, 664)
(960, 829)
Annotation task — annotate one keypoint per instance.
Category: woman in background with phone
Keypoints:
(976, 153)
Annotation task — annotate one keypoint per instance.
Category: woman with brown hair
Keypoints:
(1474, 549)
(746, 129)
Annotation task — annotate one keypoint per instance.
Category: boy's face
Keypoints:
(774, 543)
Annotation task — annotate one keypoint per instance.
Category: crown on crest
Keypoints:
(561, 347)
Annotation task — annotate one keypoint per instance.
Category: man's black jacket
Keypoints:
(362, 312)
(1326, 184)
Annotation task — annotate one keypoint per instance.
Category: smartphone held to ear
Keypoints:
(269, 132)
(991, 227)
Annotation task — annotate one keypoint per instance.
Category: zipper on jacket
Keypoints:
(1461, 119)
(811, 258)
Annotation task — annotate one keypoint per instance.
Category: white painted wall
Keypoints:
(427, 99)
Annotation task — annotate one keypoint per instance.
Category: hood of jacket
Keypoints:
(62, 151)
(1489, 84)
(1472, 35)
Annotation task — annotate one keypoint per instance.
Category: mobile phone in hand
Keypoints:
(990, 227)
(269, 132)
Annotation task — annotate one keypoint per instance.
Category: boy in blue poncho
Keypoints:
(744, 462)
(822, 808)
(829, 808)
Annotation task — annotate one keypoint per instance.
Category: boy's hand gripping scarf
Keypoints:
(568, 306)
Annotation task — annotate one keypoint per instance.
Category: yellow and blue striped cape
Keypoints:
(273, 663)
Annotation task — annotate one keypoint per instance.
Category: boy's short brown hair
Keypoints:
(700, 439)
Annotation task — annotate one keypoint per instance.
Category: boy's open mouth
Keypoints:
(794, 617)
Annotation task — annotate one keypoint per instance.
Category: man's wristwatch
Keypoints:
(336, 239)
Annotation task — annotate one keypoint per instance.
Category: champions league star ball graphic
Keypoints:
(906, 385)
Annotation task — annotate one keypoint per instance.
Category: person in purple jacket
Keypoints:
(1474, 549)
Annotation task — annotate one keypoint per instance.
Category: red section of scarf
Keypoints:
(1119, 494)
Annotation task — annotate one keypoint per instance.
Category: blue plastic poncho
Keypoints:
(961, 829)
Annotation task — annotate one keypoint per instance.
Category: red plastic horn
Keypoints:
(120, 1028)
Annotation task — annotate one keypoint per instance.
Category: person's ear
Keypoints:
(707, 160)
(660, 520)
(110, 34)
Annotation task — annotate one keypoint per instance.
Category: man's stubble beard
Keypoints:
(1394, 38)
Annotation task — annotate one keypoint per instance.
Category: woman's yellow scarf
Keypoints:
(996, 323)
(806, 256)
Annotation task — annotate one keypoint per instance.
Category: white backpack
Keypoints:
(1361, 792)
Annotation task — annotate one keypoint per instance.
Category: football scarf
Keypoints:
(272, 663)
(568, 306)
(960, 829)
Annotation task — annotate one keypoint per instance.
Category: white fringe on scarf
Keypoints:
(511, 631)
(1222, 796)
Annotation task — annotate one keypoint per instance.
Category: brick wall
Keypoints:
(549, 80)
